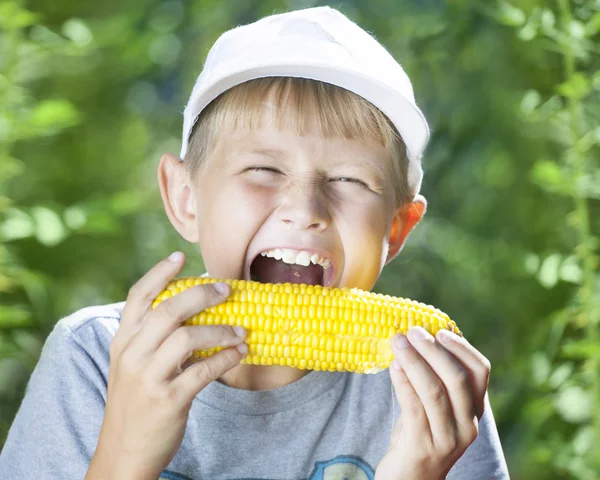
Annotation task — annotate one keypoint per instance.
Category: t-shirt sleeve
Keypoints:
(484, 459)
(55, 431)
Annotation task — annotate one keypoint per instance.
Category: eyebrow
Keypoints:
(361, 162)
(280, 155)
(269, 152)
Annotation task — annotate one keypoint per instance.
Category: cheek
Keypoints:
(363, 230)
(249, 205)
(233, 211)
(367, 219)
(256, 198)
(228, 217)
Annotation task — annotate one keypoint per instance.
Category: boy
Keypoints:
(301, 137)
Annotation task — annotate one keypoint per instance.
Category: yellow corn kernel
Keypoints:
(355, 337)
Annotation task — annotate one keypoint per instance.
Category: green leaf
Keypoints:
(101, 223)
(50, 40)
(15, 316)
(577, 29)
(574, 404)
(559, 375)
(510, 15)
(588, 140)
(584, 440)
(531, 100)
(540, 367)
(581, 349)
(588, 186)
(532, 263)
(570, 271)
(528, 32)
(592, 27)
(78, 32)
(50, 230)
(12, 15)
(550, 107)
(74, 217)
(577, 87)
(548, 20)
(549, 176)
(17, 225)
(51, 116)
(548, 273)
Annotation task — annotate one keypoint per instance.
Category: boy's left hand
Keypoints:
(441, 387)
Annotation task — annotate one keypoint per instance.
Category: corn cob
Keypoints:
(313, 327)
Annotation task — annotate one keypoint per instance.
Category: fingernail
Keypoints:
(175, 257)
(400, 342)
(242, 348)
(221, 287)
(446, 337)
(419, 334)
(239, 331)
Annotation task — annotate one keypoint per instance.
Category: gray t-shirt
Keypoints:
(325, 426)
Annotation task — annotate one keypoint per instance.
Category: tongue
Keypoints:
(269, 270)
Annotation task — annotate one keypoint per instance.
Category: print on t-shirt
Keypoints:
(344, 467)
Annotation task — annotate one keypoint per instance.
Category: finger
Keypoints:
(412, 413)
(474, 362)
(428, 387)
(143, 292)
(453, 376)
(189, 362)
(170, 314)
(201, 373)
(180, 345)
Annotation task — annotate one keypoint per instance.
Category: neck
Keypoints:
(255, 377)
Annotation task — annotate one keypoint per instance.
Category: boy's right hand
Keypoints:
(150, 390)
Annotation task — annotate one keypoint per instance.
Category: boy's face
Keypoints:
(270, 189)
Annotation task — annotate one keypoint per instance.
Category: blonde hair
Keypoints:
(316, 108)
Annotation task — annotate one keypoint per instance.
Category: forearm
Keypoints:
(103, 471)
(107, 465)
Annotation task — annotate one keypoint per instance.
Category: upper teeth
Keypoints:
(299, 257)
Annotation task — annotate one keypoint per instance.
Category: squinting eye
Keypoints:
(263, 169)
(349, 180)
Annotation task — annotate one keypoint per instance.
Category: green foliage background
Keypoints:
(91, 94)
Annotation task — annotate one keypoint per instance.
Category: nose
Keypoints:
(304, 208)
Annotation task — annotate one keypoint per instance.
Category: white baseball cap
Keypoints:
(320, 44)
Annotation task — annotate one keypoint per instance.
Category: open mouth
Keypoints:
(284, 265)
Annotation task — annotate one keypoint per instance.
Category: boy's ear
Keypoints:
(178, 196)
(405, 219)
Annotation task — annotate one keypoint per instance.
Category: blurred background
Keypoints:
(91, 94)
